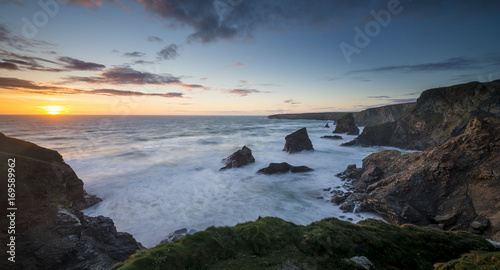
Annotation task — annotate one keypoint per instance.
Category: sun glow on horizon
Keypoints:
(53, 110)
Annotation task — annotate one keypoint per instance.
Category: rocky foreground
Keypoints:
(49, 230)
(455, 185)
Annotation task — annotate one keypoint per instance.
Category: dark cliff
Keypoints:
(438, 115)
(455, 185)
(380, 115)
(50, 230)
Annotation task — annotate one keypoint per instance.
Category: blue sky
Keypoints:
(238, 56)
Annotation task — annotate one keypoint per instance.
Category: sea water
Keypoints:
(158, 174)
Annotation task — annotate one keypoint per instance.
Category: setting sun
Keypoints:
(53, 110)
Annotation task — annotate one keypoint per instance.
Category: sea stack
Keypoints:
(346, 125)
(298, 141)
(239, 158)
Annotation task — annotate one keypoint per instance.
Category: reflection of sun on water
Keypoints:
(53, 110)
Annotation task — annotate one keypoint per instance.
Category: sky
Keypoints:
(238, 57)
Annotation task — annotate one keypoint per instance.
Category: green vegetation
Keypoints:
(472, 261)
(271, 243)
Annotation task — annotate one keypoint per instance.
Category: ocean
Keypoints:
(158, 174)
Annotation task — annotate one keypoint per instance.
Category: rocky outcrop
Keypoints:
(381, 115)
(50, 230)
(346, 125)
(454, 185)
(438, 115)
(283, 168)
(298, 141)
(334, 137)
(239, 158)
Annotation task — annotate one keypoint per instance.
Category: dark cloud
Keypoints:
(31, 87)
(456, 63)
(154, 39)
(15, 83)
(243, 92)
(93, 4)
(8, 66)
(213, 20)
(134, 54)
(24, 62)
(143, 62)
(114, 92)
(75, 64)
(126, 75)
(168, 53)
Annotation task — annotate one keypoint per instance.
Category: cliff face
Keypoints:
(368, 117)
(50, 230)
(381, 115)
(455, 185)
(438, 115)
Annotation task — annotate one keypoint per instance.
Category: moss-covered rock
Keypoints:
(271, 243)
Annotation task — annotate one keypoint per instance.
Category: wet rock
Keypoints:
(350, 143)
(334, 137)
(176, 235)
(363, 262)
(238, 159)
(346, 125)
(326, 126)
(298, 141)
(283, 168)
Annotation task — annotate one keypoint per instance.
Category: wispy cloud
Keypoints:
(24, 62)
(154, 39)
(379, 97)
(13, 40)
(130, 76)
(290, 101)
(456, 63)
(237, 64)
(75, 64)
(8, 83)
(169, 52)
(127, 75)
(134, 54)
(243, 92)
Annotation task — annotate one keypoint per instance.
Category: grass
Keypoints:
(271, 243)
(474, 260)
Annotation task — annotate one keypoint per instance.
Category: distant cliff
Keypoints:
(373, 116)
(49, 230)
(330, 116)
(438, 115)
